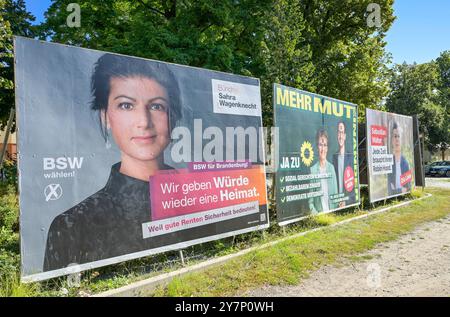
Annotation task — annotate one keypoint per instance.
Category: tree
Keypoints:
(282, 57)
(14, 20)
(424, 90)
(443, 62)
(320, 46)
(349, 57)
(6, 55)
(197, 33)
(248, 37)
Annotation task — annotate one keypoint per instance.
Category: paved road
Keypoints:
(442, 182)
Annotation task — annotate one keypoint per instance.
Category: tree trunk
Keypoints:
(5, 140)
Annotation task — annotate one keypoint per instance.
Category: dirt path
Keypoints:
(417, 264)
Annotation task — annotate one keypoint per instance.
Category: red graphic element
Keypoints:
(182, 192)
(349, 179)
(406, 178)
(378, 134)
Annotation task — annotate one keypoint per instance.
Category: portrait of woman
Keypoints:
(400, 165)
(328, 185)
(138, 105)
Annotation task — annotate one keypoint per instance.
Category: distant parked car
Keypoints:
(426, 168)
(441, 168)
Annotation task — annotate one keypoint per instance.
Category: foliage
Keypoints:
(320, 46)
(6, 84)
(349, 57)
(9, 209)
(443, 62)
(9, 238)
(8, 174)
(424, 90)
(14, 20)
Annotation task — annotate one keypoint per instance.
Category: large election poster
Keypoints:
(123, 157)
(317, 170)
(390, 152)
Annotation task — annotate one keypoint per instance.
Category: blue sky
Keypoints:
(37, 8)
(420, 33)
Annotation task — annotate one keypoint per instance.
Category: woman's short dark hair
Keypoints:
(394, 125)
(321, 133)
(109, 66)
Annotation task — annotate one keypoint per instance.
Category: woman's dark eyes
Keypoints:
(153, 106)
(125, 106)
(157, 106)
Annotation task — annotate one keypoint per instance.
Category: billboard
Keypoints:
(123, 157)
(390, 154)
(317, 169)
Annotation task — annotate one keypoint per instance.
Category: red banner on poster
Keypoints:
(377, 134)
(405, 178)
(182, 192)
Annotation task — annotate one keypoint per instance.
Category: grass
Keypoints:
(9, 246)
(290, 261)
(12, 287)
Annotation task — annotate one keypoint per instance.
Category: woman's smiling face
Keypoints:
(323, 148)
(137, 115)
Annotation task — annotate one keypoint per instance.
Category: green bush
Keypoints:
(9, 208)
(9, 242)
(9, 173)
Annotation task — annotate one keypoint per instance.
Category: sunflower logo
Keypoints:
(307, 153)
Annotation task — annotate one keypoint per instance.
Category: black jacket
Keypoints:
(404, 167)
(348, 161)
